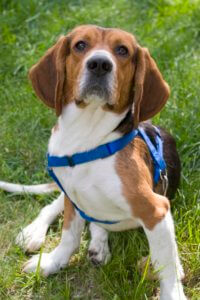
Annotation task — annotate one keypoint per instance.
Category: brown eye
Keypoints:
(121, 50)
(80, 46)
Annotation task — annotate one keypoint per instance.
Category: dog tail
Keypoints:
(37, 189)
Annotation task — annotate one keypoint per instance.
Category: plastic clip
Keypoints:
(165, 182)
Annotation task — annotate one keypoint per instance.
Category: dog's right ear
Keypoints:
(49, 74)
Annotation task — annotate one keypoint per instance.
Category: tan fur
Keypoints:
(137, 181)
(48, 75)
(69, 213)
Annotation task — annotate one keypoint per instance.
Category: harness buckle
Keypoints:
(165, 181)
(70, 161)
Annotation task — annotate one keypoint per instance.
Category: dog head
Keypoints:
(104, 65)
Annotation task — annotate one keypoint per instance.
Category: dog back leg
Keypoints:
(98, 251)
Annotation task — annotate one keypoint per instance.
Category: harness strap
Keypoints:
(156, 152)
(101, 151)
(82, 214)
(104, 151)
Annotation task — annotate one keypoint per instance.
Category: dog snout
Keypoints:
(99, 66)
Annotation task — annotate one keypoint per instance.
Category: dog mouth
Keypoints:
(96, 89)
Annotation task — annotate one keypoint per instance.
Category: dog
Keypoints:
(104, 86)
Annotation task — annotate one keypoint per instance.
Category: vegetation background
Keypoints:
(171, 30)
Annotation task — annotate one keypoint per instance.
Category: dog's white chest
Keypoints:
(94, 187)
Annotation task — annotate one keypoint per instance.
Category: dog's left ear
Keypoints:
(49, 74)
(150, 90)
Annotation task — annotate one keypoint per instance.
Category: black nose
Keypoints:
(99, 65)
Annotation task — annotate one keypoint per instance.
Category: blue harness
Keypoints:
(104, 151)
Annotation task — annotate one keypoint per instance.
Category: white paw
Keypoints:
(48, 264)
(173, 293)
(173, 296)
(32, 236)
(99, 252)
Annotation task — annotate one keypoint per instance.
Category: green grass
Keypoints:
(171, 30)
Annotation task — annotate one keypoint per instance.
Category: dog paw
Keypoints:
(48, 264)
(173, 296)
(172, 292)
(32, 236)
(99, 253)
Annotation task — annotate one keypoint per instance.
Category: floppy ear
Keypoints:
(150, 90)
(49, 74)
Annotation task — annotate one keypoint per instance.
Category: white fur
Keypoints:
(164, 255)
(52, 262)
(32, 236)
(83, 129)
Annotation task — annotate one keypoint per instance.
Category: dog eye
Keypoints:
(121, 50)
(80, 46)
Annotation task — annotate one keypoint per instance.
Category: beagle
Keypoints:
(103, 86)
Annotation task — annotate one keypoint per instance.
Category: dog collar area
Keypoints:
(99, 152)
(106, 150)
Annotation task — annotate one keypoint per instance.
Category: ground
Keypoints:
(171, 30)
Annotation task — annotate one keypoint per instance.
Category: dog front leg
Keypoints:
(71, 234)
(164, 255)
(33, 236)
